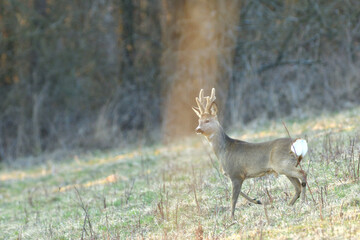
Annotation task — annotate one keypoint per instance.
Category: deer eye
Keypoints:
(207, 121)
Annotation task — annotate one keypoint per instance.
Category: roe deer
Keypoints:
(241, 160)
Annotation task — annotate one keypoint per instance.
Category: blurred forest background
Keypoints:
(98, 74)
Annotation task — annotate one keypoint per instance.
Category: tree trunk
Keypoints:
(198, 38)
(38, 81)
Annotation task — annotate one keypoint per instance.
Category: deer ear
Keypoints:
(213, 109)
(196, 110)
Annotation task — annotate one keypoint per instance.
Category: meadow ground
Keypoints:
(178, 192)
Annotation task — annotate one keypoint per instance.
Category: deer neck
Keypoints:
(219, 140)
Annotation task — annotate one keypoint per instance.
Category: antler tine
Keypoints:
(210, 100)
(207, 106)
(200, 106)
(201, 94)
(202, 101)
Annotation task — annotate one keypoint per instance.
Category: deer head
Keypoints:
(207, 113)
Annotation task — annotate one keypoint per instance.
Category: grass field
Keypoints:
(178, 192)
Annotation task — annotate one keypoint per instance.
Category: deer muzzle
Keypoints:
(198, 130)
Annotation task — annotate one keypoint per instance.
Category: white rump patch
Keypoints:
(299, 147)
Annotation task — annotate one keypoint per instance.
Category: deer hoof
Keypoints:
(257, 201)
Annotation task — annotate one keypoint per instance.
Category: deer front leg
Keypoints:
(236, 189)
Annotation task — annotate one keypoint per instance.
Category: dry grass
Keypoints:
(178, 192)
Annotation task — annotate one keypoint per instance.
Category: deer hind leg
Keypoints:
(303, 184)
(297, 186)
(299, 174)
(255, 201)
